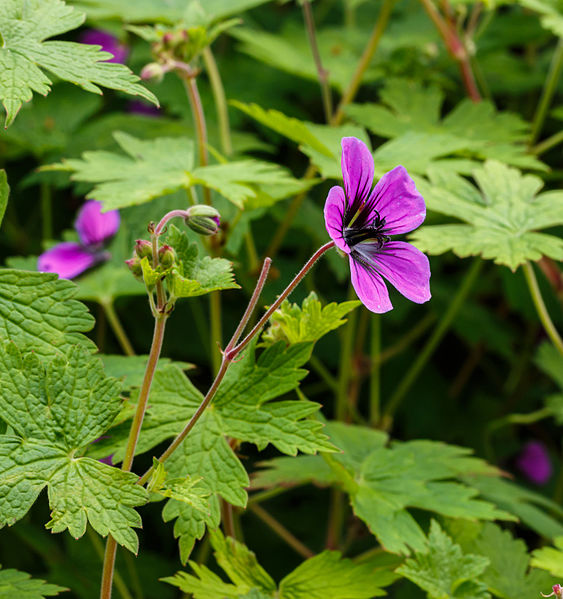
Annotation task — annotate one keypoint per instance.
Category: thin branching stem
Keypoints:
(220, 100)
(117, 328)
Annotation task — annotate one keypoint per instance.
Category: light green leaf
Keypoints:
(4, 193)
(501, 226)
(24, 27)
(38, 312)
(164, 165)
(325, 576)
(293, 324)
(107, 283)
(550, 361)
(14, 583)
(550, 558)
(191, 275)
(56, 410)
(329, 576)
(443, 571)
(551, 12)
(481, 132)
(289, 127)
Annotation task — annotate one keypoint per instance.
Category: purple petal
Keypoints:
(107, 460)
(357, 169)
(403, 265)
(94, 227)
(534, 462)
(140, 107)
(334, 216)
(108, 42)
(370, 288)
(67, 259)
(396, 199)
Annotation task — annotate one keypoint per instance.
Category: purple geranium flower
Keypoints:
(534, 462)
(108, 42)
(69, 259)
(143, 108)
(360, 221)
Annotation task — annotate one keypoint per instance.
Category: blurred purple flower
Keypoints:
(69, 259)
(534, 462)
(360, 220)
(108, 42)
(140, 107)
(107, 460)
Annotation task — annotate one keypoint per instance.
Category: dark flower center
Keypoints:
(373, 232)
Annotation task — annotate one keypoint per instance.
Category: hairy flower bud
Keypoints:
(203, 219)
(143, 248)
(134, 265)
(166, 256)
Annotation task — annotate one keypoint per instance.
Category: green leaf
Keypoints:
(551, 12)
(550, 558)
(294, 471)
(443, 571)
(131, 369)
(550, 361)
(163, 165)
(4, 193)
(289, 127)
(325, 576)
(191, 275)
(38, 312)
(56, 410)
(243, 409)
(14, 583)
(509, 563)
(481, 132)
(24, 27)
(293, 324)
(501, 224)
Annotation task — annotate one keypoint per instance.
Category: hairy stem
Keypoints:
(321, 71)
(216, 329)
(548, 91)
(117, 328)
(369, 51)
(432, 343)
(220, 101)
(541, 309)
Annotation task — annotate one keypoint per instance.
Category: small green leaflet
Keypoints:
(551, 12)
(444, 571)
(325, 576)
(478, 128)
(14, 583)
(24, 27)
(4, 193)
(509, 563)
(550, 558)
(311, 321)
(501, 223)
(163, 165)
(38, 312)
(57, 409)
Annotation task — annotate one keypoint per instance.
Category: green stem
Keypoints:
(220, 100)
(548, 91)
(344, 371)
(321, 71)
(541, 309)
(268, 494)
(216, 330)
(99, 549)
(324, 373)
(369, 51)
(46, 212)
(156, 346)
(432, 343)
(374, 389)
(335, 519)
(547, 144)
(117, 328)
(281, 531)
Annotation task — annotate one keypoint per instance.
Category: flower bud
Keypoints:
(557, 592)
(143, 248)
(134, 265)
(166, 256)
(153, 70)
(203, 219)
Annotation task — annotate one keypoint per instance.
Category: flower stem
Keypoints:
(99, 550)
(374, 389)
(541, 309)
(369, 51)
(117, 328)
(156, 346)
(233, 348)
(548, 91)
(220, 100)
(432, 343)
(281, 531)
(321, 71)
(547, 144)
(216, 330)
(46, 212)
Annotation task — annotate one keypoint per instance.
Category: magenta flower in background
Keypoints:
(108, 42)
(360, 221)
(69, 259)
(534, 462)
(140, 107)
